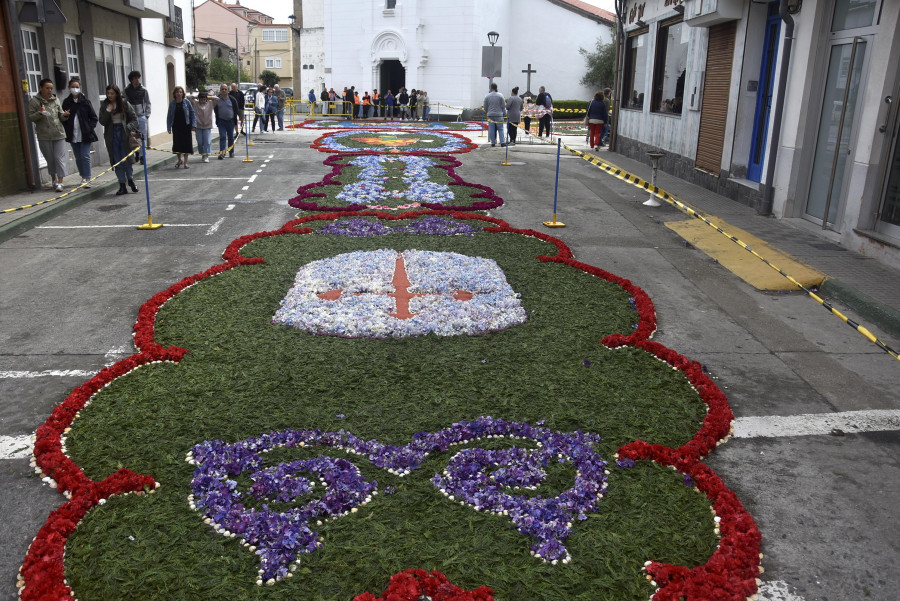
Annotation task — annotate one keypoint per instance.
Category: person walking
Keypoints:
(388, 105)
(259, 108)
(607, 98)
(403, 101)
(225, 110)
(426, 104)
(271, 108)
(413, 105)
(46, 112)
(80, 128)
(118, 119)
(596, 118)
(180, 122)
(139, 97)
(240, 99)
(282, 100)
(495, 112)
(312, 102)
(514, 113)
(204, 108)
(544, 106)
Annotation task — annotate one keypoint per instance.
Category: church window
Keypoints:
(670, 68)
(635, 81)
(390, 4)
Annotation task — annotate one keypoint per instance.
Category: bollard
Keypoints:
(654, 163)
(556, 223)
(247, 144)
(149, 225)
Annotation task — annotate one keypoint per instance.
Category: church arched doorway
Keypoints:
(392, 76)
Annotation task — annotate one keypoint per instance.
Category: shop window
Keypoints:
(670, 68)
(635, 80)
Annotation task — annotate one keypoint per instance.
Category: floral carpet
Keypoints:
(389, 125)
(385, 404)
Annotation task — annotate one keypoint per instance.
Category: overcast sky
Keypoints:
(280, 10)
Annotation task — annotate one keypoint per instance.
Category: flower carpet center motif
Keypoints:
(401, 294)
(389, 141)
(411, 293)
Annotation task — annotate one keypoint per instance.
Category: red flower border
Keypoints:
(729, 575)
(470, 146)
(307, 192)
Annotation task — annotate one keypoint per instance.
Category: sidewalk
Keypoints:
(866, 285)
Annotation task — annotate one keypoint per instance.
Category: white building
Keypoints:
(437, 46)
(163, 46)
(827, 156)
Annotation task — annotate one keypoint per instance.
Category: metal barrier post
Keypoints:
(149, 225)
(556, 223)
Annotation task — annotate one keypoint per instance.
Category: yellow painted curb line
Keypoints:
(744, 265)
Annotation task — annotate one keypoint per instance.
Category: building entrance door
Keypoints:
(764, 95)
(889, 210)
(392, 76)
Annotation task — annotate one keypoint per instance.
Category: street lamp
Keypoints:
(493, 36)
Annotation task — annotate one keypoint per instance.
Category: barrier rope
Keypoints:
(218, 152)
(76, 188)
(687, 209)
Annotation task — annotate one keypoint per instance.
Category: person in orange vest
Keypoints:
(356, 105)
(366, 102)
(376, 103)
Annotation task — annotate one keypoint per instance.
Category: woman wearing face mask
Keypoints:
(118, 118)
(80, 129)
(47, 115)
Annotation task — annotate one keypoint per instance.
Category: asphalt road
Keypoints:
(826, 503)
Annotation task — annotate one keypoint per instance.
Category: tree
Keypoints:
(196, 69)
(269, 78)
(225, 71)
(601, 66)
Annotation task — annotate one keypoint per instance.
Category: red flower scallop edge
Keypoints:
(492, 201)
(413, 585)
(470, 146)
(730, 574)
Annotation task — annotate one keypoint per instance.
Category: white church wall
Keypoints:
(552, 51)
(440, 46)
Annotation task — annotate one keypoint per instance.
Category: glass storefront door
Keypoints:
(836, 127)
(889, 212)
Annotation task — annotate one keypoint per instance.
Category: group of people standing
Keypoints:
(198, 115)
(74, 120)
(498, 110)
(268, 105)
(404, 105)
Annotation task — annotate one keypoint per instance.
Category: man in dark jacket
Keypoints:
(544, 102)
(240, 100)
(324, 97)
(139, 98)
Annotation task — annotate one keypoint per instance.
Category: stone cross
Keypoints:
(529, 71)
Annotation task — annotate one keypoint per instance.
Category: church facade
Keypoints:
(437, 47)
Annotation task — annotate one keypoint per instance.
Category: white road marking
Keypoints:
(816, 424)
(215, 227)
(132, 226)
(777, 590)
(252, 178)
(238, 197)
(230, 207)
(58, 373)
(258, 171)
(266, 161)
(271, 156)
(245, 188)
(15, 447)
(194, 179)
